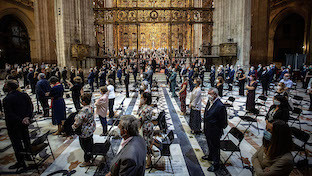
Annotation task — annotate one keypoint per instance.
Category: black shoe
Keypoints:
(206, 157)
(213, 168)
(17, 165)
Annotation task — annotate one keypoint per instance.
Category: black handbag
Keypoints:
(78, 130)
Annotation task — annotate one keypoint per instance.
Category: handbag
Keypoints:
(78, 130)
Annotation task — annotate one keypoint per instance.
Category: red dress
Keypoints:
(183, 98)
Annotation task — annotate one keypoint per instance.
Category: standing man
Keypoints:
(173, 82)
(64, 76)
(96, 76)
(30, 77)
(212, 76)
(215, 120)
(42, 87)
(127, 82)
(91, 79)
(18, 110)
(135, 73)
(231, 78)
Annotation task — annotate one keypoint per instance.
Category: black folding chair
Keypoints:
(38, 145)
(161, 122)
(296, 112)
(260, 102)
(165, 150)
(100, 149)
(229, 146)
(303, 137)
(250, 119)
(298, 100)
(229, 103)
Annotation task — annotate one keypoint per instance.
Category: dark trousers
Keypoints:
(97, 82)
(265, 88)
(45, 105)
(20, 142)
(92, 86)
(111, 107)
(191, 84)
(230, 85)
(76, 100)
(33, 87)
(241, 85)
(86, 145)
(213, 135)
(212, 82)
(103, 123)
(134, 76)
(127, 90)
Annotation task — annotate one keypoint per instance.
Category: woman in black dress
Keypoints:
(251, 93)
(219, 85)
(241, 81)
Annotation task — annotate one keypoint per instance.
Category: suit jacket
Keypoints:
(130, 161)
(216, 115)
(126, 78)
(17, 105)
(91, 77)
(42, 87)
(282, 165)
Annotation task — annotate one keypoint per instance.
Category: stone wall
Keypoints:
(74, 21)
(232, 20)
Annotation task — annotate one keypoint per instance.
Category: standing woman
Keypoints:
(58, 104)
(111, 97)
(195, 106)
(77, 90)
(101, 108)
(182, 94)
(72, 75)
(219, 85)
(241, 81)
(85, 119)
(251, 93)
(145, 114)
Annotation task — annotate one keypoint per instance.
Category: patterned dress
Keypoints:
(145, 114)
(183, 98)
(85, 117)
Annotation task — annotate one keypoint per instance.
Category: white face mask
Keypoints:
(279, 87)
(210, 97)
(275, 102)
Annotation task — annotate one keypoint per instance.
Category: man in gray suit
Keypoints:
(131, 158)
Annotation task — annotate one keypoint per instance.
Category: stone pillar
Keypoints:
(197, 37)
(45, 31)
(260, 31)
(74, 20)
(232, 21)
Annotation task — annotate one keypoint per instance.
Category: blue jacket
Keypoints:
(91, 77)
(232, 74)
(191, 73)
(42, 87)
(216, 115)
(119, 73)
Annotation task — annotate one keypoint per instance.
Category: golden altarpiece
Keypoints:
(150, 24)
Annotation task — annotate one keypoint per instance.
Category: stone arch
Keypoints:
(277, 19)
(23, 17)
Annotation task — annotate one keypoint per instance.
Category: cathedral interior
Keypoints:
(200, 35)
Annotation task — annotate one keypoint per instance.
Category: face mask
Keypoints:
(279, 87)
(267, 135)
(217, 81)
(210, 97)
(275, 102)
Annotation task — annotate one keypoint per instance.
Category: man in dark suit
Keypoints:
(215, 120)
(135, 72)
(212, 76)
(42, 87)
(126, 81)
(131, 159)
(231, 78)
(18, 110)
(31, 80)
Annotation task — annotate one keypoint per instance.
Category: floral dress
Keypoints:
(85, 117)
(145, 114)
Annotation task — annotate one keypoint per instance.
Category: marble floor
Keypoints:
(187, 149)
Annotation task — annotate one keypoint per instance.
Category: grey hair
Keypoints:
(215, 90)
(41, 75)
(131, 124)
